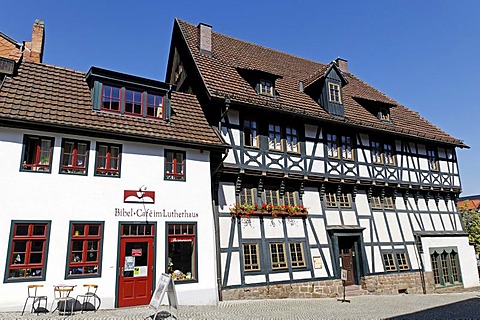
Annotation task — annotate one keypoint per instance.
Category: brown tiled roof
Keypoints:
(468, 204)
(45, 94)
(219, 72)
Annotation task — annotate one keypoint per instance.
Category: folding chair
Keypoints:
(91, 294)
(32, 294)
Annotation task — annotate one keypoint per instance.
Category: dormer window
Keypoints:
(266, 88)
(384, 114)
(154, 106)
(128, 95)
(111, 98)
(133, 102)
(334, 93)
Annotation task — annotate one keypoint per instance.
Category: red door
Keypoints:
(136, 268)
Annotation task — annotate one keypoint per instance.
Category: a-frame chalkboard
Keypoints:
(164, 286)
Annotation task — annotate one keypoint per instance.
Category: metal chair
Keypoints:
(91, 294)
(32, 294)
(61, 294)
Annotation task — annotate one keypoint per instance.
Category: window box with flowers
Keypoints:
(246, 210)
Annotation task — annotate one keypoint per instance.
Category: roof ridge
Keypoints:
(258, 45)
(53, 66)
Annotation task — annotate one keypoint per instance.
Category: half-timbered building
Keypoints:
(327, 178)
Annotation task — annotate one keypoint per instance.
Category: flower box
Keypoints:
(240, 210)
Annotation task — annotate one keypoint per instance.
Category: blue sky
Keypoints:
(425, 54)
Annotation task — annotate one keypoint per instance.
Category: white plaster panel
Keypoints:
(273, 228)
(466, 255)
(333, 217)
(413, 256)
(279, 276)
(224, 225)
(437, 222)
(394, 227)
(399, 203)
(378, 260)
(367, 233)
(319, 227)
(236, 136)
(301, 275)
(251, 230)
(311, 200)
(363, 171)
(362, 204)
(405, 226)
(226, 192)
(443, 166)
(427, 223)
(230, 157)
(349, 218)
(368, 254)
(446, 221)
(234, 272)
(457, 222)
(415, 223)
(318, 166)
(423, 162)
(422, 205)
(442, 206)
(381, 226)
(295, 228)
(432, 205)
(328, 259)
(255, 279)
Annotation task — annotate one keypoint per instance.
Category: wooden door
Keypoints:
(135, 271)
(346, 260)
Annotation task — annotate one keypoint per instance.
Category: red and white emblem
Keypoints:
(138, 196)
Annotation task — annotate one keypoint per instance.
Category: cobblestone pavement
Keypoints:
(406, 306)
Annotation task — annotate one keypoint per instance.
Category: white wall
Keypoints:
(63, 198)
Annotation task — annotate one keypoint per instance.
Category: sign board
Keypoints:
(344, 275)
(317, 262)
(129, 263)
(164, 286)
(137, 252)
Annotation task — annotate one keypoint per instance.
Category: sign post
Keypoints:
(164, 286)
(344, 277)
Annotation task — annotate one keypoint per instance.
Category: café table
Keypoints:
(61, 294)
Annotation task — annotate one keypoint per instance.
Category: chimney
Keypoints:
(342, 64)
(33, 50)
(205, 38)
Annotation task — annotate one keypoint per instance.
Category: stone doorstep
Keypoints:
(354, 290)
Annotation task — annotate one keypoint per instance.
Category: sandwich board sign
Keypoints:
(164, 286)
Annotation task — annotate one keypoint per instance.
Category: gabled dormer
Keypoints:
(125, 94)
(263, 82)
(325, 87)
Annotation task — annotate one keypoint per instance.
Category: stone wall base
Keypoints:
(391, 283)
(312, 289)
